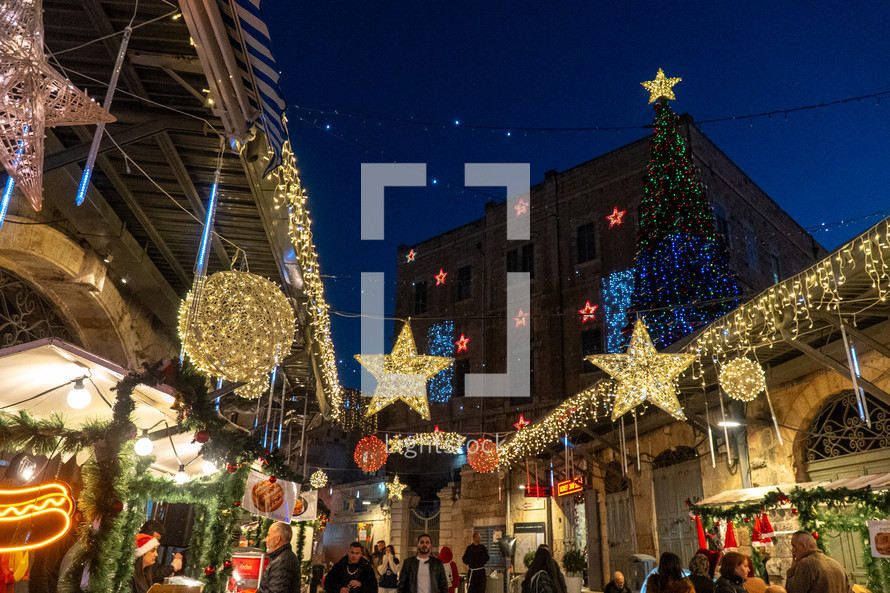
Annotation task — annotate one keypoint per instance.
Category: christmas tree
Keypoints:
(682, 278)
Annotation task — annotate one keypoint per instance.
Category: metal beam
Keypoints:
(189, 64)
(855, 333)
(836, 366)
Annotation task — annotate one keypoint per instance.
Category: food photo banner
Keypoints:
(271, 498)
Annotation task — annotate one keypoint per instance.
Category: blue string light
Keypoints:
(617, 292)
(440, 342)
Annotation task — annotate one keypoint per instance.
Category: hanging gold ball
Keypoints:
(318, 479)
(742, 379)
(241, 329)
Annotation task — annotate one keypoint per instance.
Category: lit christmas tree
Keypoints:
(682, 278)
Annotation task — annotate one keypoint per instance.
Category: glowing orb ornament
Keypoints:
(370, 454)
(742, 379)
(243, 327)
(482, 455)
(319, 479)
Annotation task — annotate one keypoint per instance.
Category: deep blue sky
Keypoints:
(525, 64)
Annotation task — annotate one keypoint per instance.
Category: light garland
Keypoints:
(617, 292)
(395, 488)
(582, 409)
(440, 342)
(35, 97)
(243, 327)
(318, 479)
(450, 442)
(742, 379)
(661, 87)
(644, 375)
(290, 193)
(402, 375)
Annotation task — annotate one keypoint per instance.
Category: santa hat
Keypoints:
(145, 544)
(729, 542)
(760, 534)
(702, 542)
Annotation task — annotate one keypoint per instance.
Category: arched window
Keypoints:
(25, 315)
(673, 456)
(838, 430)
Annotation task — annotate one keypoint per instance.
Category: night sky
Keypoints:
(360, 76)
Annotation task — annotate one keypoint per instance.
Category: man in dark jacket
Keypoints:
(476, 557)
(282, 575)
(423, 573)
(352, 574)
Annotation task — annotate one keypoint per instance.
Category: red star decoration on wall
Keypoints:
(521, 423)
(615, 218)
(440, 277)
(521, 207)
(411, 255)
(521, 318)
(587, 312)
(462, 343)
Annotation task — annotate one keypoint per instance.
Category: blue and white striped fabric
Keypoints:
(259, 72)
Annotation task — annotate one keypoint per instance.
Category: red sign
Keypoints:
(570, 486)
(537, 492)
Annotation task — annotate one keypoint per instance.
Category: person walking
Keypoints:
(733, 573)
(699, 566)
(812, 570)
(388, 571)
(423, 573)
(282, 575)
(669, 578)
(352, 574)
(476, 557)
(618, 584)
(377, 555)
(542, 574)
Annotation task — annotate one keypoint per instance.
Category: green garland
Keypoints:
(821, 510)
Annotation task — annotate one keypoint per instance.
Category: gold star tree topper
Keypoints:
(395, 488)
(402, 374)
(643, 374)
(33, 96)
(661, 87)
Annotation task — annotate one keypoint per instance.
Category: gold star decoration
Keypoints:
(661, 87)
(615, 217)
(521, 207)
(462, 343)
(588, 312)
(402, 374)
(643, 374)
(521, 318)
(411, 255)
(395, 488)
(35, 96)
(440, 277)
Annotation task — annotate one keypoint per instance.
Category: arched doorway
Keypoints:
(620, 523)
(838, 444)
(26, 316)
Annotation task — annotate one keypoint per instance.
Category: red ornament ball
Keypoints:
(482, 455)
(747, 519)
(231, 468)
(272, 479)
(227, 564)
(793, 511)
(202, 436)
(209, 571)
(237, 503)
(370, 454)
(717, 523)
(816, 534)
(117, 506)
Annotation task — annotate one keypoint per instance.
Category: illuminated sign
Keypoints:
(537, 491)
(34, 517)
(570, 486)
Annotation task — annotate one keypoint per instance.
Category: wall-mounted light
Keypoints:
(181, 477)
(144, 446)
(79, 397)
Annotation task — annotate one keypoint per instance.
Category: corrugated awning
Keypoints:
(874, 481)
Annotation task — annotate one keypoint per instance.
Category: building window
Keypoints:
(591, 343)
(522, 259)
(463, 288)
(586, 242)
(751, 248)
(419, 298)
(775, 267)
(461, 370)
(722, 223)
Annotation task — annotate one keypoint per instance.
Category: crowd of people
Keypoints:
(380, 571)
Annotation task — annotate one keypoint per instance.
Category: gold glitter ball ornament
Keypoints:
(742, 379)
(318, 479)
(243, 327)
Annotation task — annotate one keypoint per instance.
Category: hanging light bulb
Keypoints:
(181, 477)
(79, 397)
(209, 467)
(144, 446)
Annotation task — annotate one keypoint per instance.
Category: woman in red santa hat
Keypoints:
(146, 552)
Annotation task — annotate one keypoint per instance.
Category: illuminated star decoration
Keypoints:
(440, 277)
(661, 87)
(615, 218)
(587, 313)
(521, 423)
(643, 374)
(395, 488)
(462, 343)
(34, 97)
(521, 318)
(411, 255)
(402, 375)
(521, 207)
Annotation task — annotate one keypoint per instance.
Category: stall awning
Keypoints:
(36, 377)
(873, 481)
